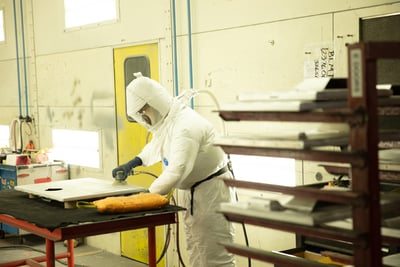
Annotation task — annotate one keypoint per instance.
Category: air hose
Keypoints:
(168, 235)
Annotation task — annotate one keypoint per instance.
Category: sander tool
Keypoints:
(120, 179)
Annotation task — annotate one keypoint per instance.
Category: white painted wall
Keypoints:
(238, 46)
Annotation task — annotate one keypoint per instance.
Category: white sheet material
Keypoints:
(79, 189)
(392, 260)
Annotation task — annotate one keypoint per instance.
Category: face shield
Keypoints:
(149, 116)
(148, 102)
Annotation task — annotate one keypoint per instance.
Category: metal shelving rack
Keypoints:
(362, 116)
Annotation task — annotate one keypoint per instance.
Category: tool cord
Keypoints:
(168, 234)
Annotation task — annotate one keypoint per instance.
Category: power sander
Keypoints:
(120, 179)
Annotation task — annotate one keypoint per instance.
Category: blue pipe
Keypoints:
(175, 56)
(190, 49)
(24, 57)
(16, 45)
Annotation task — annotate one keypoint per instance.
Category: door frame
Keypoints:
(131, 138)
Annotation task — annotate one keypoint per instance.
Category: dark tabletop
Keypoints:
(52, 215)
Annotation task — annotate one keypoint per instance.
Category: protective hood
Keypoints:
(142, 91)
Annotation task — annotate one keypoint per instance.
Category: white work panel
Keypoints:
(79, 189)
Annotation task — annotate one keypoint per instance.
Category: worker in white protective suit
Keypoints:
(183, 141)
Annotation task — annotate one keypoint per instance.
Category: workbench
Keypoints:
(52, 222)
(15, 175)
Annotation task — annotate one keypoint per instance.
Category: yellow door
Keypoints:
(132, 137)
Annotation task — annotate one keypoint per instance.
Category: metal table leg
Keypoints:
(50, 254)
(152, 246)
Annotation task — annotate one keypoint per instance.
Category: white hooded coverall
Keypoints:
(183, 141)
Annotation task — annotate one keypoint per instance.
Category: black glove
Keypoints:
(127, 167)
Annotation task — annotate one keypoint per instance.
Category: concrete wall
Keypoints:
(238, 46)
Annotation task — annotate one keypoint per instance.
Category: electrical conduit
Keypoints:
(175, 56)
(17, 52)
(190, 49)
(24, 58)
(16, 131)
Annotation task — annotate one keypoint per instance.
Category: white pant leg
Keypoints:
(206, 227)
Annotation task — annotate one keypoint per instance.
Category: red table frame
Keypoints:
(70, 232)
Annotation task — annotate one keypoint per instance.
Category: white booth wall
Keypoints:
(238, 46)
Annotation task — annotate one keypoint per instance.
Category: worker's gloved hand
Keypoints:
(122, 172)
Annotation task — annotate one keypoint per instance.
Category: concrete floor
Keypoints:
(14, 248)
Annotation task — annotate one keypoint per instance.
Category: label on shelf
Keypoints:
(356, 73)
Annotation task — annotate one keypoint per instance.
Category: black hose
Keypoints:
(168, 236)
(166, 244)
(177, 237)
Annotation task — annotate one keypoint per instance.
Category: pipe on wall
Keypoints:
(17, 55)
(174, 45)
(189, 18)
(175, 53)
(24, 58)
(16, 128)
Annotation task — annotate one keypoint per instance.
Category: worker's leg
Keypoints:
(206, 227)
